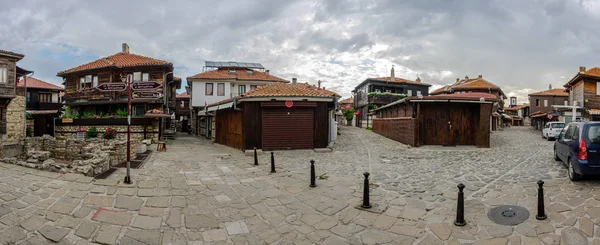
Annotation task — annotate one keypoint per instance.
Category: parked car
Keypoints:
(578, 147)
(552, 129)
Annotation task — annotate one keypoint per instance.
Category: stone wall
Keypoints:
(89, 157)
(137, 131)
(402, 129)
(11, 148)
(15, 118)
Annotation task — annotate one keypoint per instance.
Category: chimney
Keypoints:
(319, 84)
(466, 77)
(267, 71)
(480, 76)
(418, 79)
(550, 86)
(582, 69)
(294, 80)
(125, 48)
(457, 79)
(393, 75)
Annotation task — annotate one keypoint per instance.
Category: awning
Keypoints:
(204, 114)
(539, 115)
(594, 111)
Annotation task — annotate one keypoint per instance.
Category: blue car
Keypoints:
(578, 146)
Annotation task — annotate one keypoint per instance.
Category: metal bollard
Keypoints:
(460, 207)
(255, 157)
(313, 177)
(541, 213)
(272, 163)
(366, 203)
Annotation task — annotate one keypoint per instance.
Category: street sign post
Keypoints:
(128, 77)
(110, 87)
(146, 95)
(145, 85)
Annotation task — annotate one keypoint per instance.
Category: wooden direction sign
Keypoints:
(145, 85)
(109, 87)
(145, 95)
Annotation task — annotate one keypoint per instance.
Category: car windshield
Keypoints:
(594, 133)
(558, 125)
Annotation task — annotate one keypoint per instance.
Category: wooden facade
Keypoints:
(9, 75)
(270, 125)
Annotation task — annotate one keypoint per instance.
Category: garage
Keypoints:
(277, 116)
(449, 123)
(287, 129)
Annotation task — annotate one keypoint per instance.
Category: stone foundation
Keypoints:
(65, 132)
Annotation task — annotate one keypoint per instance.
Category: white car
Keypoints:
(552, 130)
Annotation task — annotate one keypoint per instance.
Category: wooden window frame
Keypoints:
(3, 74)
(220, 89)
(240, 89)
(212, 86)
(45, 97)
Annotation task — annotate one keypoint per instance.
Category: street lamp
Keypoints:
(127, 78)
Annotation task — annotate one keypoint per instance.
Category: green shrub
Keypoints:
(349, 114)
(92, 132)
(87, 114)
(122, 113)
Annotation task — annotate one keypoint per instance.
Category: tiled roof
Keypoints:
(463, 96)
(36, 83)
(284, 90)
(476, 83)
(347, 101)
(555, 92)
(238, 74)
(594, 111)
(6, 52)
(183, 95)
(440, 90)
(119, 60)
(516, 107)
(593, 72)
(398, 80)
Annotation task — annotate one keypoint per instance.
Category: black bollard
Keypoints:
(313, 177)
(460, 207)
(255, 157)
(541, 213)
(366, 203)
(272, 163)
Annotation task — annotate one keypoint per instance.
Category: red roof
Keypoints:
(284, 90)
(461, 96)
(555, 92)
(183, 95)
(399, 80)
(36, 83)
(238, 74)
(347, 101)
(467, 84)
(119, 60)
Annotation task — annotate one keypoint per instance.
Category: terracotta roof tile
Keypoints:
(464, 96)
(555, 92)
(476, 83)
(349, 100)
(284, 90)
(183, 95)
(238, 74)
(119, 60)
(440, 90)
(36, 83)
(398, 80)
(593, 72)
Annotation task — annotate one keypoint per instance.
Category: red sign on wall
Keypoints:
(549, 117)
(289, 104)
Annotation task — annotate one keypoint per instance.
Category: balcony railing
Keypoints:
(383, 99)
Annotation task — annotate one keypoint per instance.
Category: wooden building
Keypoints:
(43, 102)
(373, 93)
(182, 113)
(448, 119)
(542, 104)
(277, 116)
(584, 88)
(85, 100)
(10, 73)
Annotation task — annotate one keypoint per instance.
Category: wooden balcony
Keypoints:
(383, 99)
(43, 106)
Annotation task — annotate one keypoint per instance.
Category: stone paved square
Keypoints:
(180, 198)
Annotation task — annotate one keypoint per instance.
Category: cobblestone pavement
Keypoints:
(203, 193)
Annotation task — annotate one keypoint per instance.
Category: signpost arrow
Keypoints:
(145, 95)
(145, 85)
(112, 87)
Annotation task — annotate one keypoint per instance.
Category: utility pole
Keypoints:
(128, 176)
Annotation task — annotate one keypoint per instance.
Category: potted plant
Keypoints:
(81, 134)
(109, 134)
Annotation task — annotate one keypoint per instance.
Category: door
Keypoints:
(228, 127)
(49, 126)
(284, 129)
(39, 126)
(449, 123)
(184, 125)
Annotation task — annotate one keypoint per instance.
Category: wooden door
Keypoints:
(228, 127)
(284, 129)
(435, 124)
(39, 126)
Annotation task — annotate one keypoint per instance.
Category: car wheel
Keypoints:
(556, 155)
(543, 135)
(548, 138)
(571, 172)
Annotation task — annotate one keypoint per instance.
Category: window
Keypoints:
(545, 103)
(86, 82)
(378, 90)
(418, 92)
(3, 75)
(537, 102)
(137, 76)
(409, 92)
(242, 89)
(598, 88)
(209, 89)
(182, 104)
(45, 98)
(145, 77)
(570, 132)
(28, 97)
(253, 87)
(220, 89)
(566, 102)
(95, 81)
(594, 133)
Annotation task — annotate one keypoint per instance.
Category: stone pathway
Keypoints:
(203, 193)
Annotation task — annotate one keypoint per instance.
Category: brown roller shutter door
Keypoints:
(284, 129)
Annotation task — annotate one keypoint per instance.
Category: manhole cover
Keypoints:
(508, 215)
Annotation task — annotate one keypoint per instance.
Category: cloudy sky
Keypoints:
(521, 45)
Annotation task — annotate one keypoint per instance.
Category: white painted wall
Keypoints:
(199, 96)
